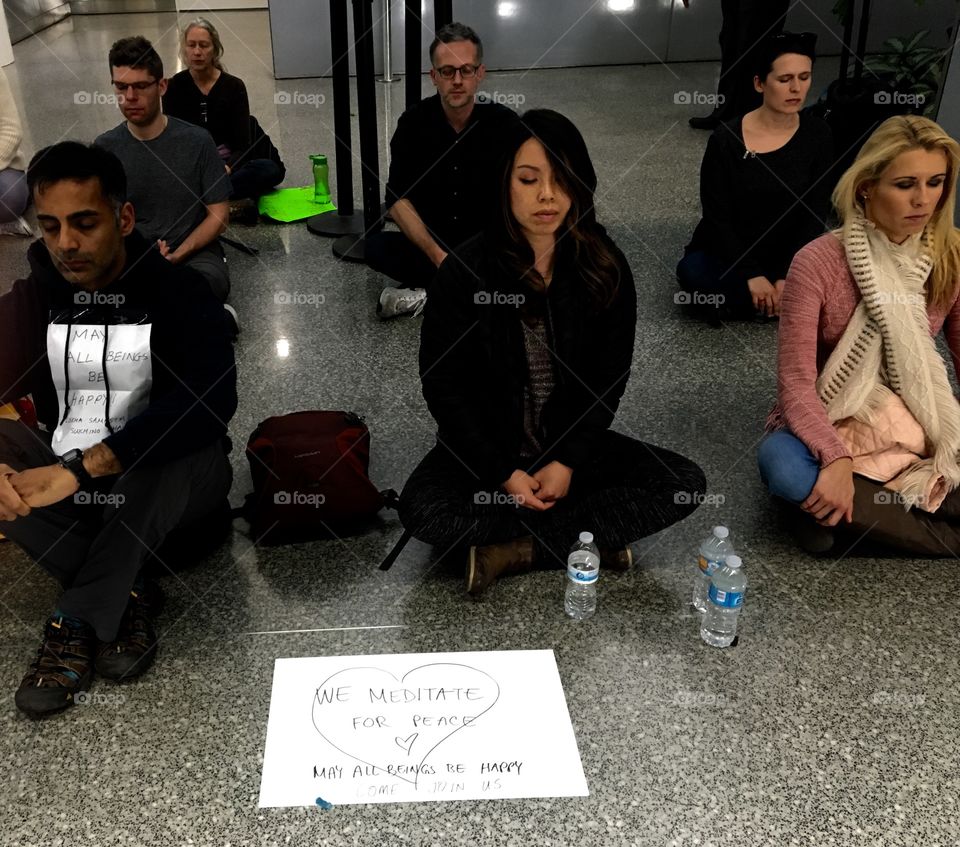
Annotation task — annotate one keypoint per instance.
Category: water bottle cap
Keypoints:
(586, 537)
(318, 158)
(733, 561)
(721, 531)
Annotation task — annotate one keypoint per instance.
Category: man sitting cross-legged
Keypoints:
(128, 360)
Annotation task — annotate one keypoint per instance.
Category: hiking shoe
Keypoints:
(485, 564)
(62, 669)
(134, 648)
(401, 301)
(616, 560)
(244, 212)
(18, 227)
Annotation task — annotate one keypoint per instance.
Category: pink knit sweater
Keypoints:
(819, 299)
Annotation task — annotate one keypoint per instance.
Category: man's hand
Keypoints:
(438, 256)
(39, 487)
(832, 497)
(523, 488)
(11, 504)
(554, 481)
(765, 296)
(165, 250)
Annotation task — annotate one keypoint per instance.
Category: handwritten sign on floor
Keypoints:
(419, 727)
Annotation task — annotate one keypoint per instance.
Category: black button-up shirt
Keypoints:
(450, 178)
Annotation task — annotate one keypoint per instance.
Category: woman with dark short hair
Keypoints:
(866, 431)
(206, 95)
(525, 351)
(764, 189)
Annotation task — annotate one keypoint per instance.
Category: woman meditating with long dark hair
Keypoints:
(525, 351)
(866, 431)
(764, 187)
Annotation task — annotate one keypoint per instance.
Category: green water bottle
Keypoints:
(321, 181)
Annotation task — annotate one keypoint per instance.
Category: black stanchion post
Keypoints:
(343, 220)
(411, 48)
(442, 12)
(350, 247)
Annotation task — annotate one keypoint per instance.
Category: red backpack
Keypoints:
(310, 477)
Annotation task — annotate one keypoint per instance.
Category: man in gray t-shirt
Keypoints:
(175, 178)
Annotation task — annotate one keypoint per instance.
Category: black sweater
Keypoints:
(193, 395)
(760, 209)
(473, 364)
(224, 112)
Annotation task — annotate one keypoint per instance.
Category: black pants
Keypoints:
(255, 178)
(746, 23)
(95, 543)
(395, 256)
(713, 284)
(631, 490)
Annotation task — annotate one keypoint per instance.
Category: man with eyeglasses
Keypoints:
(176, 180)
(442, 163)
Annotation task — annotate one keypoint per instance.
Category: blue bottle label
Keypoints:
(725, 599)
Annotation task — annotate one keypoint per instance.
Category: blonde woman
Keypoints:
(866, 430)
(206, 95)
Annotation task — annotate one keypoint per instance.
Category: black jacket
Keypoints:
(473, 363)
(194, 392)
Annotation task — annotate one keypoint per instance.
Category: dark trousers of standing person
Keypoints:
(255, 178)
(745, 24)
(14, 194)
(395, 256)
(631, 490)
(714, 286)
(95, 543)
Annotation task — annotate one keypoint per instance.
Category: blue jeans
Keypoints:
(14, 196)
(787, 467)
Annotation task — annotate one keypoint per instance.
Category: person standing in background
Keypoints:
(14, 196)
(746, 23)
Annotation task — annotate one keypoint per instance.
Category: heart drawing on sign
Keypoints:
(367, 713)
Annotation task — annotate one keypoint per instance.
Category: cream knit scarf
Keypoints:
(887, 347)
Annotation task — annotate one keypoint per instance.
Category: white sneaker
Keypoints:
(401, 301)
(18, 227)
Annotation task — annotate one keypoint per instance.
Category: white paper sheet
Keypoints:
(419, 727)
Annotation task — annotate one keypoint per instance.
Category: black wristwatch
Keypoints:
(72, 460)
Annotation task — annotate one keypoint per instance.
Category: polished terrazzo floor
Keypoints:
(834, 722)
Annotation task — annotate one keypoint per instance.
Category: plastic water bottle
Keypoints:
(583, 568)
(321, 178)
(725, 600)
(712, 554)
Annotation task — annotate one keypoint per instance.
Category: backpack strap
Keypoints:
(396, 551)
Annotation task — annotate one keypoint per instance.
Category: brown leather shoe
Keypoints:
(616, 560)
(485, 564)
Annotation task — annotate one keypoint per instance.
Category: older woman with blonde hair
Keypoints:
(865, 435)
(206, 95)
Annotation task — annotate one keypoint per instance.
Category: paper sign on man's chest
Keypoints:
(100, 363)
